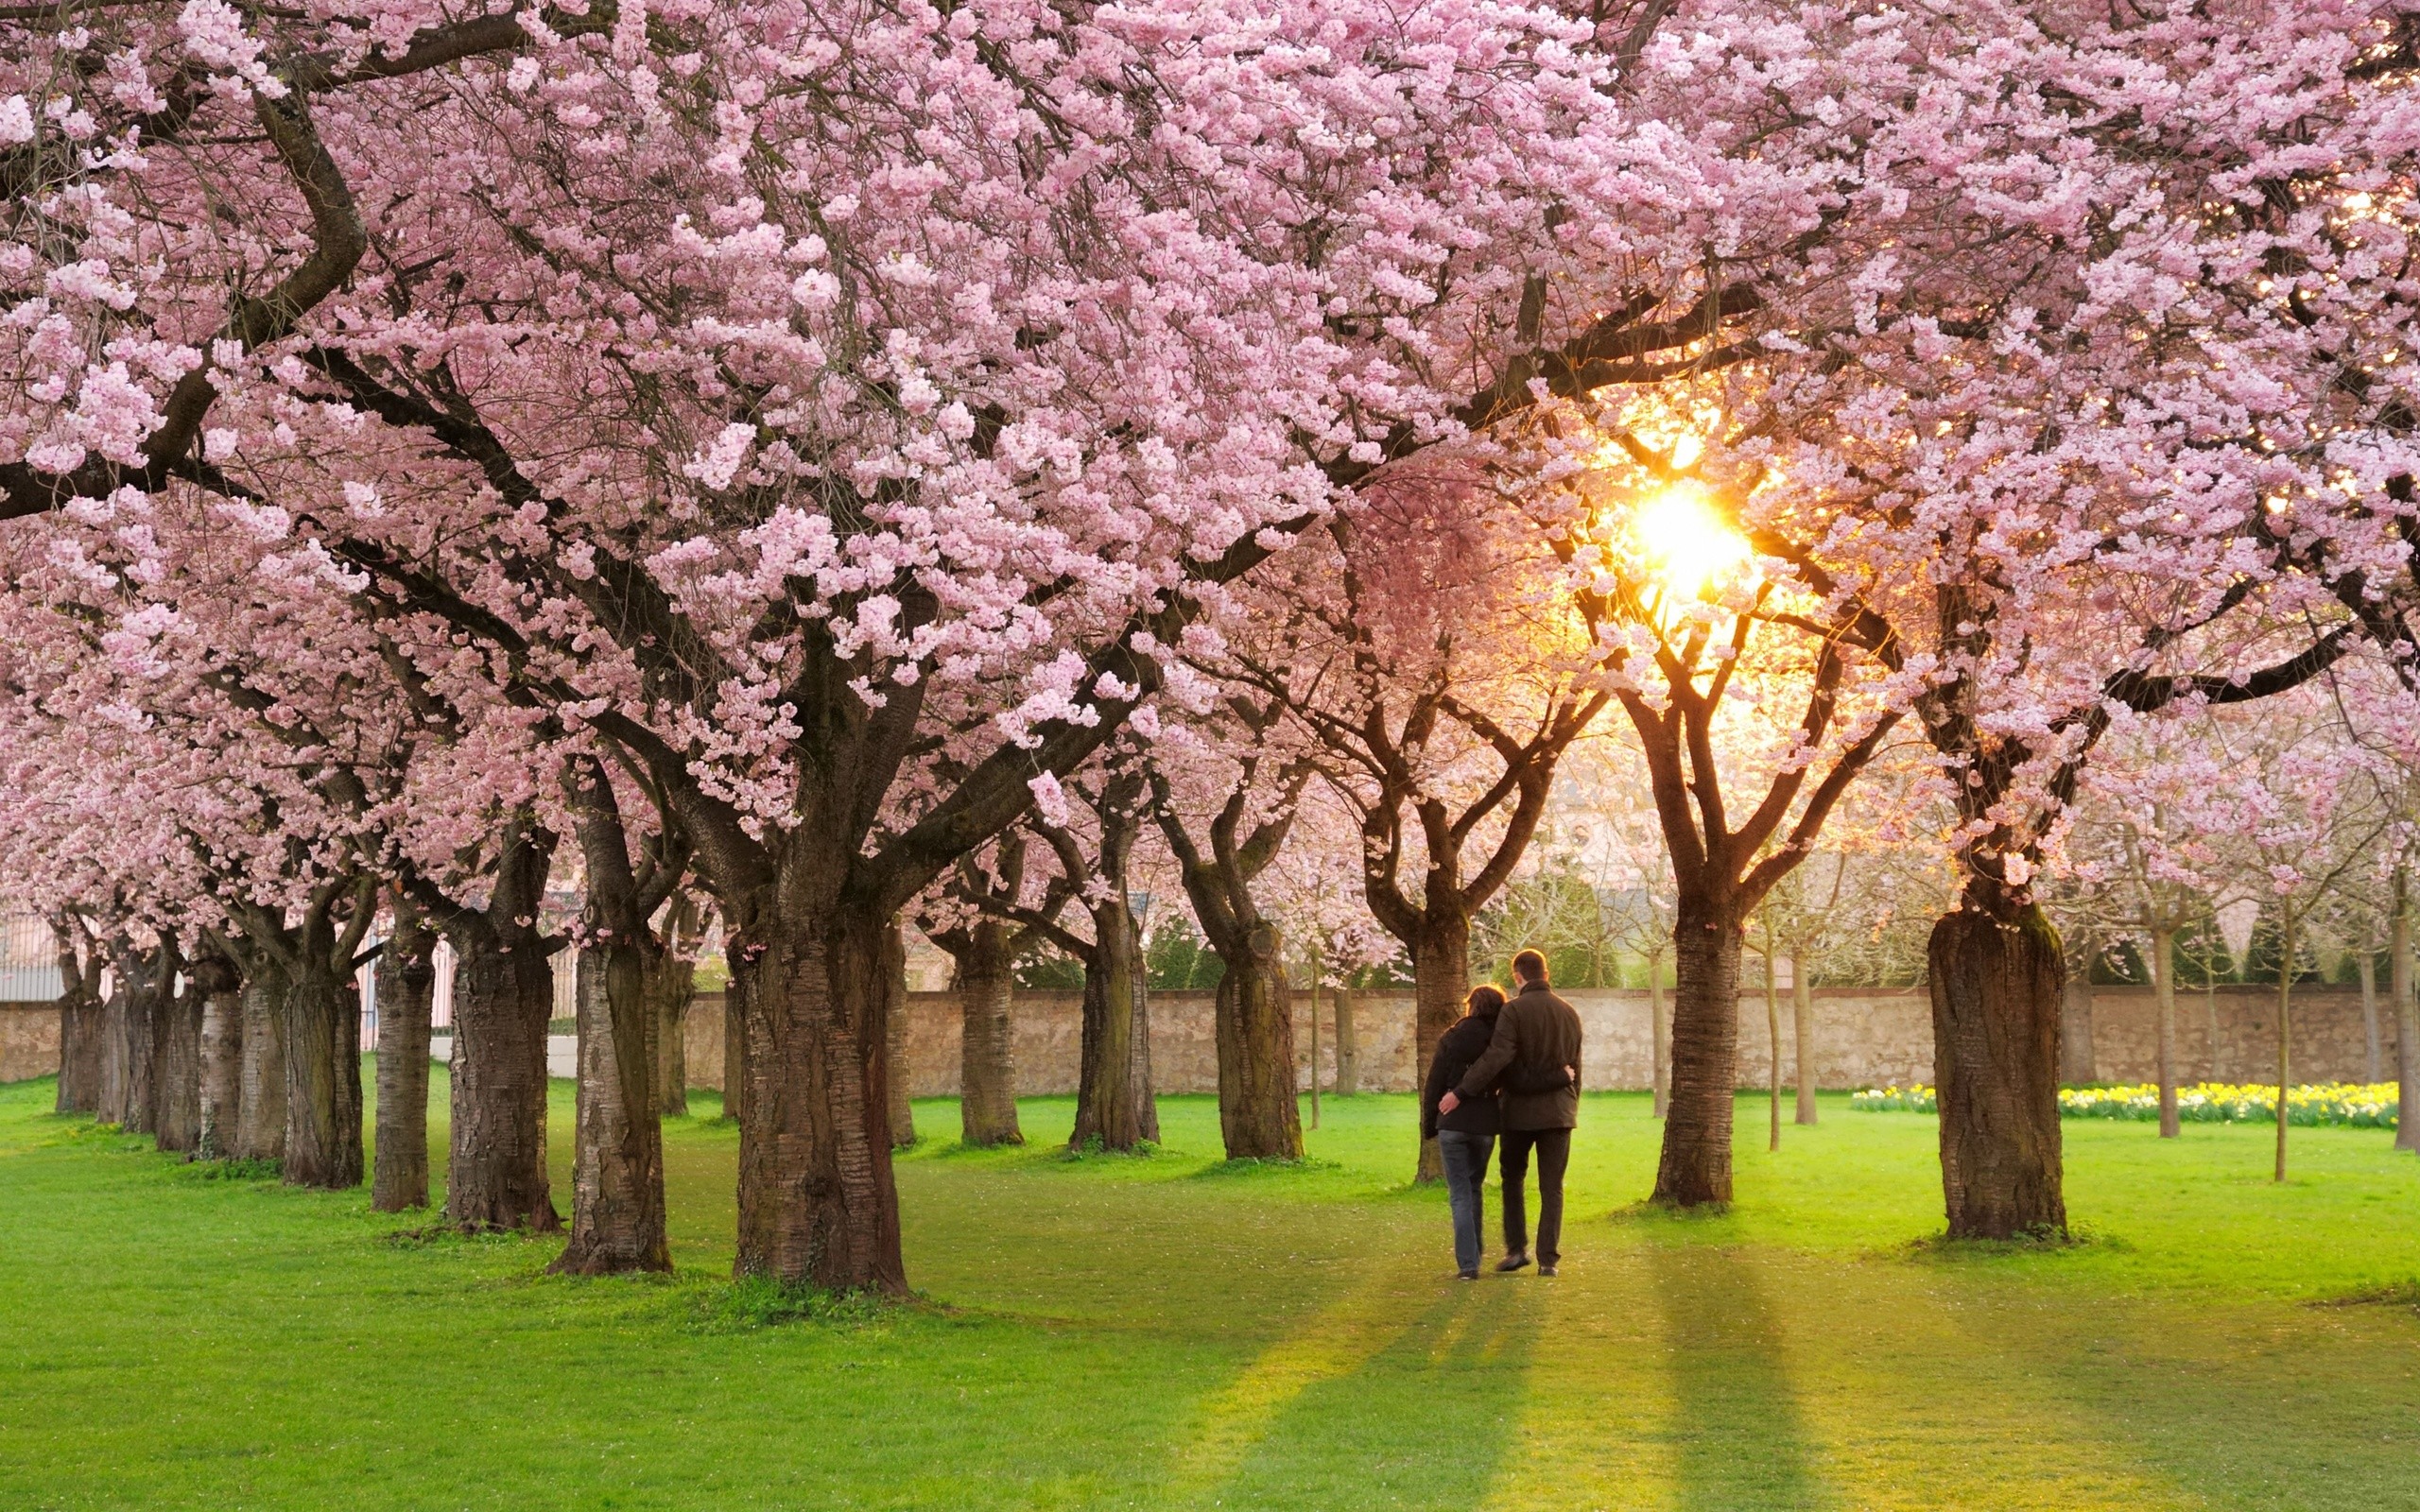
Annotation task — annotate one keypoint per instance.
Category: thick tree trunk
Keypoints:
(2373, 1040)
(617, 1167)
(1659, 1022)
(617, 1159)
(1441, 979)
(1995, 992)
(1694, 1169)
(1348, 1045)
(176, 1077)
(1802, 1003)
(108, 1088)
(260, 1118)
(503, 996)
(79, 1054)
(986, 1079)
(816, 1203)
(1258, 1118)
(222, 1057)
(898, 1108)
(146, 1005)
(2164, 998)
(2406, 1023)
(322, 1079)
(407, 993)
(126, 1082)
(670, 982)
(1114, 1102)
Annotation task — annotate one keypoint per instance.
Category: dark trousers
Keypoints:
(1554, 1152)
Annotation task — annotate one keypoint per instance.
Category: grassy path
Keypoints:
(1171, 1333)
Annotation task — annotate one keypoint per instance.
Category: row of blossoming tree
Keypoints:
(854, 462)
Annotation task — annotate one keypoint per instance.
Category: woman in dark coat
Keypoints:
(1465, 1136)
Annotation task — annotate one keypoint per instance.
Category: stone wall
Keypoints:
(2330, 1040)
(28, 1040)
(1862, 1039)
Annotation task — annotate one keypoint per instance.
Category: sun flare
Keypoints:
(1685, 540)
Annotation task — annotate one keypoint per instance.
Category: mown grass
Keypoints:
(1118, 1331)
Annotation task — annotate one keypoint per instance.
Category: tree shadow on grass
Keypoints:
(1737, 1441)
(1420, 1412)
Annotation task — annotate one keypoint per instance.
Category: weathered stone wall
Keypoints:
(1862, 1039)
(28, 1040)
(2330, 1041)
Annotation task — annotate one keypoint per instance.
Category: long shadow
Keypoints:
(1425, 1420)
(1736, 1438)
(2234, 1404)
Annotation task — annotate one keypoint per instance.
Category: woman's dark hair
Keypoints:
(1484, 1001)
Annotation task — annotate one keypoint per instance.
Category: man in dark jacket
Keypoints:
(1537, 1035)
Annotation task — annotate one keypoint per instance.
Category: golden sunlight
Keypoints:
(1687, 539)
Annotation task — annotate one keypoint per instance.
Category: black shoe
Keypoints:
(1545, 1270)
(1466, 1275)
(1510, 1263)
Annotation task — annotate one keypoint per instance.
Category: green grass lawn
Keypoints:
(1166, 1332)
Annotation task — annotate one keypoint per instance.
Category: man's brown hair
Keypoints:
(1530, 967)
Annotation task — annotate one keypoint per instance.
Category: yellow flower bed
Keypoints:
(2343, 1103)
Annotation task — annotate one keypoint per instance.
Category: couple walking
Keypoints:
(1508, 1069)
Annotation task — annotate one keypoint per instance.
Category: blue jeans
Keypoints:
(1465, 1156)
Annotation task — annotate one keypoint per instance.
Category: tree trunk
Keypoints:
(1996, 990)
(734, 1046)
(1312, 1077)
(895, 1034)
(2373, 1040)
(987, 1096)
(175, 1078)
(618, 1164)
(1802, 998)
(2164, 995)
(1772, 1050)
(816, 1203)
(1694, 1169)
(1659, 1032)
(2407, 1022)
(1348, 1045)
(2285, 1029)
(259, 1117)
(503, 996)
(1139, 1074)
(407, 992)
(670, 982)
(1113, 1103)
(322, 1142)
(1258, 1118)
(154, 984)
(222, 1058)
(126, 1081)
(617, 1135)
(1441, 979)
(80, 1028)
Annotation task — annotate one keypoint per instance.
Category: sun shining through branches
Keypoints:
(1685, 540)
